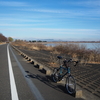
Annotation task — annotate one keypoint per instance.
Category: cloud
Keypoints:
(61, 13)
(83, 3)
(22, 25)
(86, 8)
(54, 30)
(18, 20)
(13, 3)
(68, 13)
(46, 10)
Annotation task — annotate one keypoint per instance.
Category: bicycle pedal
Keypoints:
(62, 79)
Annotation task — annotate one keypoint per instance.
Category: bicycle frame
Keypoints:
(67, 70)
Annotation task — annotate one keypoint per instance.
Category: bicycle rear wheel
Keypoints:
(55, 75)
(70, 85)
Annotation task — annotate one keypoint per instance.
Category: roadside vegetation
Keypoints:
(79, 52)
(2, 38)
(30, 46)
(75, 51)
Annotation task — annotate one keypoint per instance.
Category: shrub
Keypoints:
(79, 52)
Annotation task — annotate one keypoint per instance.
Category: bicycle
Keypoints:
(64, 69)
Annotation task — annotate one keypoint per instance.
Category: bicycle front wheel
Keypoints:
(70, 85)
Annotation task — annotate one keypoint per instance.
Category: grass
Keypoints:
(75, 51)
(2, 42)
(29, 46)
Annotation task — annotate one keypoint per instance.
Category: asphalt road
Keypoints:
(20, 80)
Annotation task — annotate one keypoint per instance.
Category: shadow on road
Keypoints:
(48, 81)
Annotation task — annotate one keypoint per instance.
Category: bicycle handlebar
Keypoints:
(65, 62)
(70, 60)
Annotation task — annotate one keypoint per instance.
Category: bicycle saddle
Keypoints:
(59, 57)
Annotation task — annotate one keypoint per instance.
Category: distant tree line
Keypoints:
(5, 39)
(19, 40)
(37, 41)
(2, 38)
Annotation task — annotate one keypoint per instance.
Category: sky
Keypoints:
(70, 20)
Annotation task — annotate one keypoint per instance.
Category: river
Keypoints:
(87, 45)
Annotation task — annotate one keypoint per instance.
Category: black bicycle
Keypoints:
(64, 69)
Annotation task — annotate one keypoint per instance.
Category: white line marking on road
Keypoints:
(14, 94)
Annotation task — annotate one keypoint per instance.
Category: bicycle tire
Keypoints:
(70, 85)
(55, 75)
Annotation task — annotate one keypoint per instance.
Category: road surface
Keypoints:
(20, 80)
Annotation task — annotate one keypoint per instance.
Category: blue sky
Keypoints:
(73, 20)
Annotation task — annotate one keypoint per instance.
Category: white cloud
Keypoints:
(67, 12)
(54, 30)
(83, 3)
(46, 10)
(18, 20)
(12, 3)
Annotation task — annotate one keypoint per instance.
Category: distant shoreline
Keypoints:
(75, 41)
(66, 42)
(70, 42)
